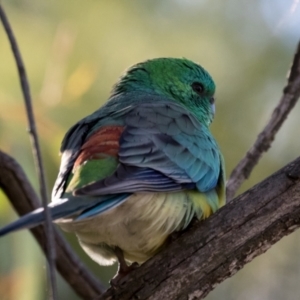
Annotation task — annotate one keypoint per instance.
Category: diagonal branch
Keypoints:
(218, 247)
(36, 152)
(264, 140)
(16, 186)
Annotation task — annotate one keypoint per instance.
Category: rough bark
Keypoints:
(218, 247)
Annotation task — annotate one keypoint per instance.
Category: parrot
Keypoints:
(141, 167)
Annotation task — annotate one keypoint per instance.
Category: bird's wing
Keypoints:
(161, 147)
(78, 134)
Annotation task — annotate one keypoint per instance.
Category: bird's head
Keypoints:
(177, 79)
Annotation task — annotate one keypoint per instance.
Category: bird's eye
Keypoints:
(198, 87)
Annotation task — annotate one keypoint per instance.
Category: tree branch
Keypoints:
(218, 247)
(264, 140)
(36, 153)
(16, 186)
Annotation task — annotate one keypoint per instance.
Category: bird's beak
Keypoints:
(213, 108)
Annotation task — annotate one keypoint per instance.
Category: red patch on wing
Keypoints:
(104, 142)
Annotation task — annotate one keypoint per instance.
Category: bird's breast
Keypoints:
(140, 225)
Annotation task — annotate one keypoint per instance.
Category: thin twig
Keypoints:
(36, 152)
(264, 140)
(16, 186)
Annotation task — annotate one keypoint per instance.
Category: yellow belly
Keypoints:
(140, 225)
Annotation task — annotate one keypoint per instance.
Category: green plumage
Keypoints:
(92, 170)
(171, 78)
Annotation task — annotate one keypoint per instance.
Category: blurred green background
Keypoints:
(75, 50)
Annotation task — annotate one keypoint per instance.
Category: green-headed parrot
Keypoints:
(141, 167)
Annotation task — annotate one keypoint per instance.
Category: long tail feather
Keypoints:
(65, 208)
(27, 221)
(58, 210)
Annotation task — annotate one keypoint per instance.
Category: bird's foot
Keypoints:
(122, 273)
(123, 270)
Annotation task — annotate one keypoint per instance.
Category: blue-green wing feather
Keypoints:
(112, 113)
(162, 142)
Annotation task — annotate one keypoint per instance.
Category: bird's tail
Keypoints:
(27, 221)
(77, 206)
